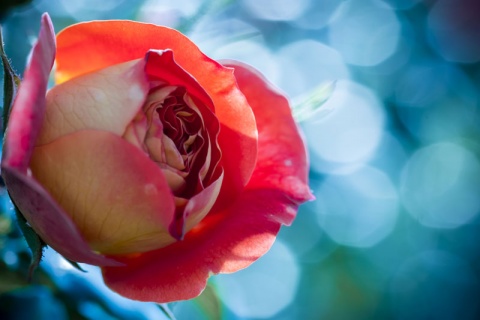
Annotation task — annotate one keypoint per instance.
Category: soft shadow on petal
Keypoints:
(37, 206)
(107, 100)
(91, 46)
(221, 243)
(117, 197)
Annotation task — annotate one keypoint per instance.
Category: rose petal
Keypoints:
(221, 243)
(117, 197)
(282, 157)
(29, 106)
(90, 46)
(108, 100)
(161, 65)
(41, 211)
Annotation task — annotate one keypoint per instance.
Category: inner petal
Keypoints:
(171, 131)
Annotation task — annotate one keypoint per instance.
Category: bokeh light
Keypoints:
(265, 288)
(440, 185)
(455, 29)
(276, 9)
(365, 32)
(367, 217)
(350, 133)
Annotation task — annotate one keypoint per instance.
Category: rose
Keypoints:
(149, 159)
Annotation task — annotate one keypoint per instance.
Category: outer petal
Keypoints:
(230, 240)
(104, 100)
(29, 106)
(49, 220)
(40, 210)
(282, 157)
(221, 243)
(117, 196)
(95, 45)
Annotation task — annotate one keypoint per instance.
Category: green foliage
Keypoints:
(166, 311)
(10, 84)
(35, 243)
(210, 303)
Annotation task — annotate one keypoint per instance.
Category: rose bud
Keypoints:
(149, 159)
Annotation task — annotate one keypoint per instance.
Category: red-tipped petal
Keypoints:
(90, 46)
(220, 244)
(282, 158)
(162, 65)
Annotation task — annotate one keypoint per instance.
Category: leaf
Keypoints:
(310, 106)
(75, 265)
(210, 303)
(10, 84)
(35, 243)
(166, 310)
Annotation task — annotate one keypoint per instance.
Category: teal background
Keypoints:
(394, 152)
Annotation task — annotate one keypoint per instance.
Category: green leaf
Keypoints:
(310, 106)
(166, 310)
(75, 265)
(10, 84)
(35, 243)
(210, 303)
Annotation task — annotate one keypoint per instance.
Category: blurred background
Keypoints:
(394, 232)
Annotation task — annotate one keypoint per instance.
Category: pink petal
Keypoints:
(38, 207)
(282, 157)
(29, 106)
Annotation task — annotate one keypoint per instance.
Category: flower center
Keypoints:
(170, 128)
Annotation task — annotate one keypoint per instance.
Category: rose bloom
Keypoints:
(149, 159)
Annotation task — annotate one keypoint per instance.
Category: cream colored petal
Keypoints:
(118, 198)
(108, 99)
(172, 156)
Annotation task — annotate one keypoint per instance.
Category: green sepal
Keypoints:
(210, 303)
(35, 243)
(166, 310)
(310, 105)
(11, 81)
(75, 265)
